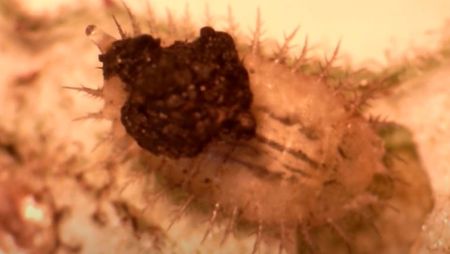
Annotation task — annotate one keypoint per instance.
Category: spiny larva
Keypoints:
(258, 146)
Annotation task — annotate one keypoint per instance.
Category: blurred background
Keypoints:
(366, 28)
(43, 47)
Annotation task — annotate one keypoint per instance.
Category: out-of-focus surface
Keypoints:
(366, 28)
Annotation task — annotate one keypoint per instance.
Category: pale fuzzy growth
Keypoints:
(314, 166)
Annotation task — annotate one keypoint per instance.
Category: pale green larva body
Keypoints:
(315, 177)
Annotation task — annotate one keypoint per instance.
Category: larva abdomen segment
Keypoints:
(285, 174)
(312, 168)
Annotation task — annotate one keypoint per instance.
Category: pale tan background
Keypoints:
(367, 28)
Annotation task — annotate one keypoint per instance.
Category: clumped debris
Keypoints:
(184, 96)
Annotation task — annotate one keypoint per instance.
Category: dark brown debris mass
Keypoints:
(184, 96)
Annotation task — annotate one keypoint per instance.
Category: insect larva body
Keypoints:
(298, 162)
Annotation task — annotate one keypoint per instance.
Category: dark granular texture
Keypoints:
(184, 96)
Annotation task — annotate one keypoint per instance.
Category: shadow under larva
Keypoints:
(258, 146)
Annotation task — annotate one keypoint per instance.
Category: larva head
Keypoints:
(100, 38)
(181, 97)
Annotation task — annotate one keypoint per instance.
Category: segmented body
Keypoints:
(308, 168)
